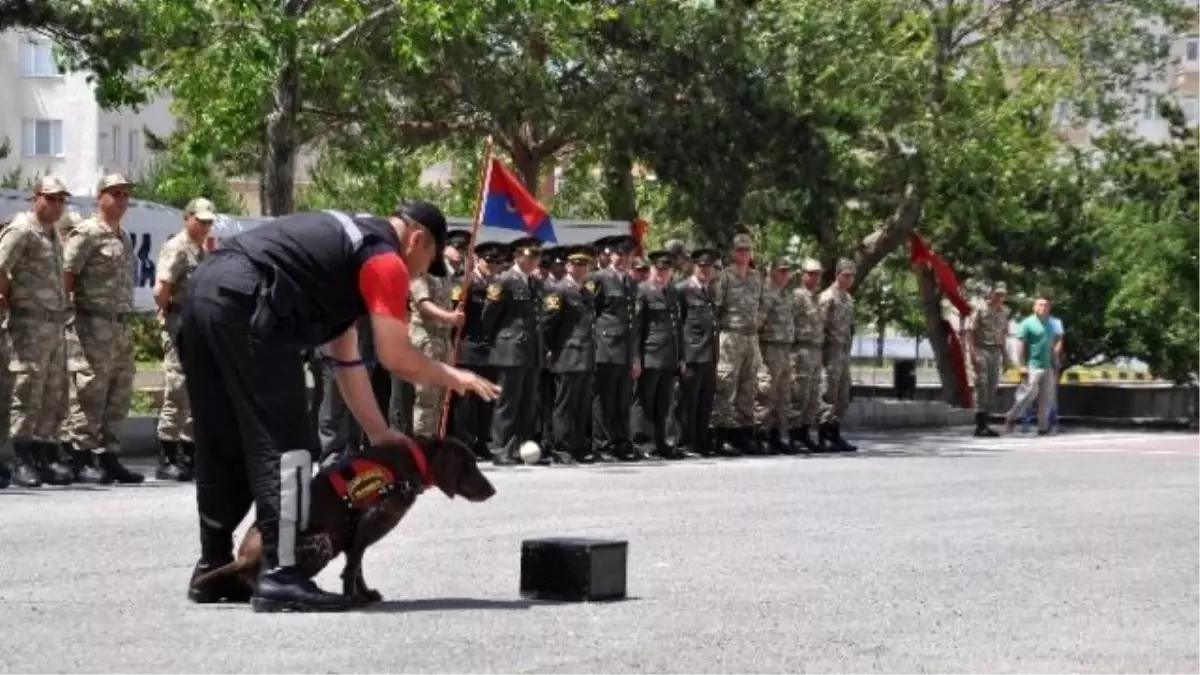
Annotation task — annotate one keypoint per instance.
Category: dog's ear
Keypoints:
(447, 464)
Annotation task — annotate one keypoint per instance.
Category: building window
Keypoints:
(135, 146)
(1191, 51)
(1191, 107)
(1149, 107)
(41, 138)
(116, 144)
(102, 147)
(37, 59)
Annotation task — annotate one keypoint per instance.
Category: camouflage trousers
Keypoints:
(427, 398)
(835, 383)
(806, 385)
(737, 381)
(987, 378)
(777, 398)
(5, 380)
(37, 369)
(175, 416)
(100, 362)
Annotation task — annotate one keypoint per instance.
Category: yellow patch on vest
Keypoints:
(590, 286)
(553, 302)
(495, 292)
(456, 294)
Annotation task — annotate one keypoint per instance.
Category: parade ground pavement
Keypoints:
(927, 552)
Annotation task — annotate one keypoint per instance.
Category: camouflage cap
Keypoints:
(111, 181)
(781, 264)
(811, 265)
(50, 185)
(742, 241)
(1000, 287)
(202, 209)
(845, 265)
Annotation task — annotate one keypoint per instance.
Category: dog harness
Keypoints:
(363, 482)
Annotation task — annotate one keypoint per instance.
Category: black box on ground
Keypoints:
(573, 569)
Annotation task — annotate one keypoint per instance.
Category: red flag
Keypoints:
(638, 228)
(920, 253)
(508, 205)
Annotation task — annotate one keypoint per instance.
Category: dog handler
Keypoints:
(251, 309)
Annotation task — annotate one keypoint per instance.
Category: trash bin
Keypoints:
(904, 378)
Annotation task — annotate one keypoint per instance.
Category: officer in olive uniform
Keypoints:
(658, 307)
(697, 385)
(617, 362)
(567, 322)
(473, 415)
(510, 317)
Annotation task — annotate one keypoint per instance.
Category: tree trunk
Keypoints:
(620, 196)
(279, 169)
(880, 339)
(529, 167)
(936, 329)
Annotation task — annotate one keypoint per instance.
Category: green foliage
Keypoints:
(176, 177)
(147, 338)
(18, 179)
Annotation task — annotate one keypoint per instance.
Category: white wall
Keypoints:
(69, 100)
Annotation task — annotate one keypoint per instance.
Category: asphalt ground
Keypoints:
(927, 552)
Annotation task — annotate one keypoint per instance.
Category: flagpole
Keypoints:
(485, 172)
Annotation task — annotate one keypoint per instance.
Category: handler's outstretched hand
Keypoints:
(466, 382)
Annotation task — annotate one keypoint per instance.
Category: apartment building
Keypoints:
(51, 124)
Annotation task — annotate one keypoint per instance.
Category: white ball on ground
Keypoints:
(530, 452)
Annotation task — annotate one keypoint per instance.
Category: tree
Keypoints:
(175, 178)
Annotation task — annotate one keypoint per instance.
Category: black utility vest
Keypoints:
(308, 265)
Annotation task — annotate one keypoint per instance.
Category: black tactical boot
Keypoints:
(84, 463)
(981, 426)
(112, 470)
(25, 469)
(807, 441)
(230, 590)
(50, 469)
(801, 443)
(284, 589)
(187, 456)
(169, 466)
(5, 475)
(749, 443)
(825, 438)
(841, 444)
(726, 442)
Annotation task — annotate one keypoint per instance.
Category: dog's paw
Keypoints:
(367, 596)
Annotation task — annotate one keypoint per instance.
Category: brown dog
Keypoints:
(355, 503)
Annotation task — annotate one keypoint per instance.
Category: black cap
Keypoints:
(641, 264)
(458, 239)
(662, 260)
(704, 256)
(491, 251)
(525, 246)
(431, 218)
(621, 243)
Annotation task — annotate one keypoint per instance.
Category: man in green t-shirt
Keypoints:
(1035, 361)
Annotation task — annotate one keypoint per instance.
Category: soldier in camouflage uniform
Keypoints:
(987, 330)
(808, 337)
(98, 273)
(31, 283)
(177, 259)
(837, 311)
(737, 293)
(429, 329)
(775, 342)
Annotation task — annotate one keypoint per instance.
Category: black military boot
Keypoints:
(169, 466)
(50, 469)
(749, 443)
(113, 471)
(727, 445)
(228, 590)
(5, 474)
(825, 438)
(25, 469)
(981, 426)
(841, 444)
(807, 441)
(800, 440)
(285, 589)
(84, 463)
(187, 456)
(777, 444)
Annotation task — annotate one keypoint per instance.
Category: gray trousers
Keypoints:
(1039, 385)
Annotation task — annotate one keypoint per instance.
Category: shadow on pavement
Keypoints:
(451, 604)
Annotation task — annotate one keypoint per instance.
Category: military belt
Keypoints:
(97, 314)
(38, 314)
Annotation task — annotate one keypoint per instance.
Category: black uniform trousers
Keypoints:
(655, 389)
(610, 408)
(253, 442)
(572, 411)
(472, 417)
(515, 419)
(693, 410)
(546, 398)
